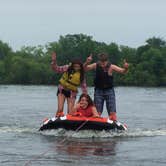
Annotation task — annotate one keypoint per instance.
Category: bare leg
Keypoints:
(61, 101)
(70, 104)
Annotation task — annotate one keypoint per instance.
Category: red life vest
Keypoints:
(85, 112)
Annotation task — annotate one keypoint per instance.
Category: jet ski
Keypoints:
(70, 122)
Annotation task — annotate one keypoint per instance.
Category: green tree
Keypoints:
(72, 46)
(4, 50)
(156, 42)
(31, 65)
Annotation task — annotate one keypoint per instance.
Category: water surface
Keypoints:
(22, 109)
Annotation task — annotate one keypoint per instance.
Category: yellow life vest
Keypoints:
(71, 81)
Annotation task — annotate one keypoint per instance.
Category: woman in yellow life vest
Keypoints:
(73, 76)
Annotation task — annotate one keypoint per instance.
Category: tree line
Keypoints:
(31, 65)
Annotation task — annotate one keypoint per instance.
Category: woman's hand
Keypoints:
(53, 57)
(77, 105)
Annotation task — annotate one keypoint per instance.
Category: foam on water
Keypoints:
(9, 129)
(106, 134)
(146, 132)
(86, 133)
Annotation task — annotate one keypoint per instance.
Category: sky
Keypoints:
(38, 22)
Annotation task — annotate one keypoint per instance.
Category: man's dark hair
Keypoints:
(103, 57)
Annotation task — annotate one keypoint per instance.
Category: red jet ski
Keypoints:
(69, 122)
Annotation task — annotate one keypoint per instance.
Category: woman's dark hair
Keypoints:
(89, 100)
(71, 68)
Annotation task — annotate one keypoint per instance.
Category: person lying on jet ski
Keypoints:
(84, 107)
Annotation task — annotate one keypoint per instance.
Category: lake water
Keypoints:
(23, 108)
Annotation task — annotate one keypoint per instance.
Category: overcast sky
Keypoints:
(125, 22)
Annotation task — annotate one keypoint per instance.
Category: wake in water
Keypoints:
(86, 133)
(15, 129)
(105, 134)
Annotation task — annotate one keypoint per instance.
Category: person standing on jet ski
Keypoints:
(103, 82)
(72, 78)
